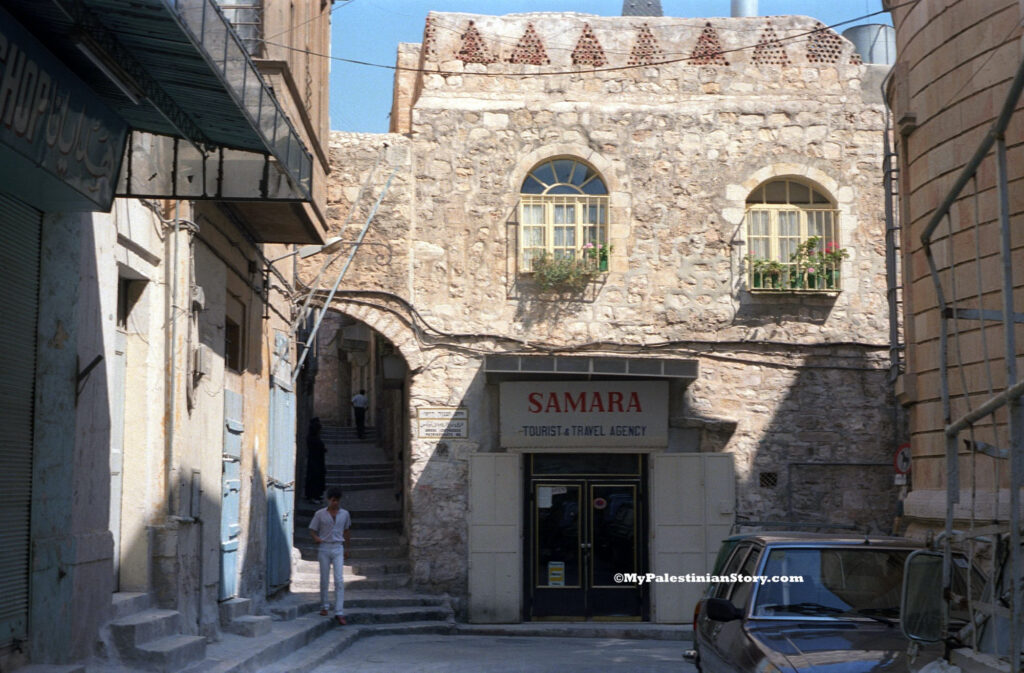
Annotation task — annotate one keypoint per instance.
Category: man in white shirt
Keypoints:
(359, 404)
(330, 529)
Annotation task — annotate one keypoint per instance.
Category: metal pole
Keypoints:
(979, 155)
(1015, 426)
(330, 296)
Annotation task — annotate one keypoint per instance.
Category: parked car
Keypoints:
(843, 615)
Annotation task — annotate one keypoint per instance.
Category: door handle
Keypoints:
(584, 545)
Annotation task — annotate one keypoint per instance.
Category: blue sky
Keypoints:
(370, 30)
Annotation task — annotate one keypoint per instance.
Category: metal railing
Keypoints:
(987, 403)
(211, 30)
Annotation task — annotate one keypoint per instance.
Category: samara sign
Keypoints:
(584, 414)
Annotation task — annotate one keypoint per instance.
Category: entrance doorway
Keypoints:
(586, 523)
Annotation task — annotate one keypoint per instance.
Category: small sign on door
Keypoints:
(556, 573)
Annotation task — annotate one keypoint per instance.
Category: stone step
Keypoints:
(125, 603)
(357, 598)
(377, 552)
(234, 608)
(356, 582)
(366, 486)
(326, 647)
(341, 467)
(250, 626)
(374, 536)
(377, 522)
(308, 510)
(394, 615)
(335, 471)
(171, 653)
(392, 599)
(335, 641)
(362, 568)
(129, 633)
(245, 655)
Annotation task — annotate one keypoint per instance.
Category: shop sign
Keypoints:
(584, 414)
(55, 121)
(442, 423)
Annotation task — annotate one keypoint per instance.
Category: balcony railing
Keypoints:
(210, 29)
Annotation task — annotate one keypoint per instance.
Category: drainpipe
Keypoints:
(169, 468)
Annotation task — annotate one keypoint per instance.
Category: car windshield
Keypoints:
(837, 583)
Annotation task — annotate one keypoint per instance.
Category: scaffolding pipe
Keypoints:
(997, 130)
(1014, 420)
(327, 302)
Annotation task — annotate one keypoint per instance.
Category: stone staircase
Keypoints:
(149, 638)
(378, 597)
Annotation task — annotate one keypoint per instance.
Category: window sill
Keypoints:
(793, 290)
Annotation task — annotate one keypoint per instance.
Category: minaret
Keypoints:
(641, 8)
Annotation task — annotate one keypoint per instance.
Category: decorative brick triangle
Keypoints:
(824, 45)
(588, 50)
(429, 39)
(530, 49)
(474, 50)
(709, 49)
(768, 50)
(646, 49)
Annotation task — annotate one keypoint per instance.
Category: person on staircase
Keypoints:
(330, 529)
(359, 404)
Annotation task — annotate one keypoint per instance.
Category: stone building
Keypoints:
(146, 418)
(614, 349)
(956, 110)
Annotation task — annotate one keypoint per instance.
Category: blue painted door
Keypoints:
(281, 476)
(231, 485)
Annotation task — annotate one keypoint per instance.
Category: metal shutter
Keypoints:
(20, 228)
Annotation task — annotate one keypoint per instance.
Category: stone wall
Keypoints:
(786, 379)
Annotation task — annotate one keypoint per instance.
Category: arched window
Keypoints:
(793, 237)
(563, 212)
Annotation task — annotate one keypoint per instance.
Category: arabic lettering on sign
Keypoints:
(53, 119)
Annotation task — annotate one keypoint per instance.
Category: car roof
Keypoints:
(799, 538)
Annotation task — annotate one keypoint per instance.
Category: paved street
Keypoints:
(503, 654)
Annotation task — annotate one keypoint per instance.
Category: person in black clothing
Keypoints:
(316, 462)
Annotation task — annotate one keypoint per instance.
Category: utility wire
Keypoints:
(578, 72)
(307, 21)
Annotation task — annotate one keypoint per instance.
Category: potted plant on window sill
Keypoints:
(563, 274)
(766, 274)
(598, 254)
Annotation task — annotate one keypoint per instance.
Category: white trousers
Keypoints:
(332, 554)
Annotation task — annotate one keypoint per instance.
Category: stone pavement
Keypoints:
(507, 654)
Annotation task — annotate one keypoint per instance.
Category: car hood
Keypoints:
(839, 646)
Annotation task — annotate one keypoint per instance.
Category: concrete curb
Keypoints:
(619, 630)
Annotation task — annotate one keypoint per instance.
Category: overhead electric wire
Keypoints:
(592, 70)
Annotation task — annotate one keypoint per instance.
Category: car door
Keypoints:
(719, 640)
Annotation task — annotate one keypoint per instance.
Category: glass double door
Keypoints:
(585, 532)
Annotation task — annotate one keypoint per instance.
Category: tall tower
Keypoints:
(641, 8)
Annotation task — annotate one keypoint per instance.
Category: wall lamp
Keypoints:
(331, 246)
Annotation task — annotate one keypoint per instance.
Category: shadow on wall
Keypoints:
(826, 454)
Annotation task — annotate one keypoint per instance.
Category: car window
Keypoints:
(739, 555)
(741, 590)
(835, 582)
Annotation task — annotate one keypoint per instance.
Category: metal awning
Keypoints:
(543, 367)
(173, 68)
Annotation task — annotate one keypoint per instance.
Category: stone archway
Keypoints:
(359, 346)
